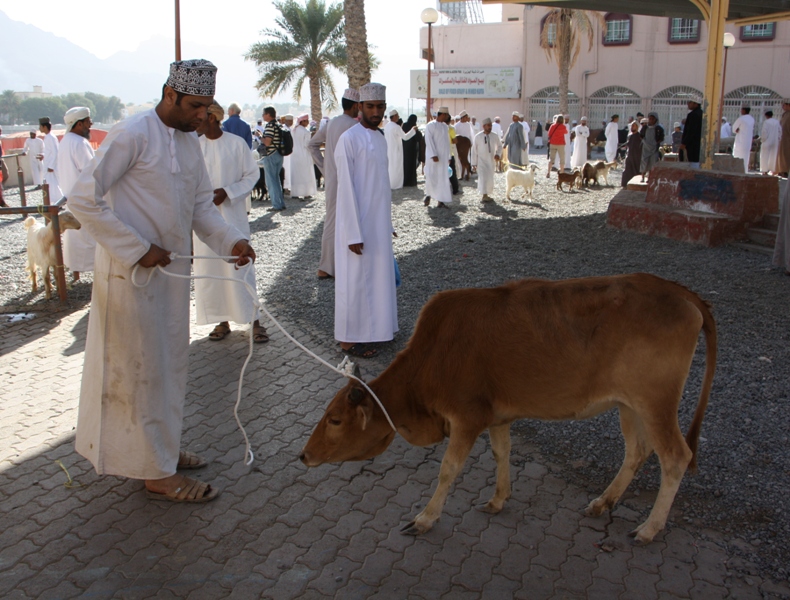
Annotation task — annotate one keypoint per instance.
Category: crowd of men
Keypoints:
(174, 183)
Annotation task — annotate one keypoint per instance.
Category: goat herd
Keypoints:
(591, 174)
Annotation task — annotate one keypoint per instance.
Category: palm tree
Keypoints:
(359, 58)
(561, 39)
(307, 43)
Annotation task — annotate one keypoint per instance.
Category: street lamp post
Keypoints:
(429, 16)
(728, 42)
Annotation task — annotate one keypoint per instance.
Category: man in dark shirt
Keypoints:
(272, 160)
(692, 133)
(236, 125)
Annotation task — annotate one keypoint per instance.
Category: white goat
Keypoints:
(525, 179)
(41, 247)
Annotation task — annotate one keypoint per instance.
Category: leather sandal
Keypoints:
(190, 490)
(190, 460)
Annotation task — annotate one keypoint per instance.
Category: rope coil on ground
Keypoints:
(345, 368)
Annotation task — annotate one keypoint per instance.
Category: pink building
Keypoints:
(637, 63)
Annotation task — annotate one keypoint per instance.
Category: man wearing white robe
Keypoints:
(726, 129)
(141, 197)
(743, 128)
(437, 160)
(486, 150)
(302, 173)
(612, 139)
(50, 159)
(579, 154)
(34, 148)
(527, 128)
(233, 172)
(74, 155)
(395, 136)
(496, 127)
(329, 135)
(366, 310)
(770, 135)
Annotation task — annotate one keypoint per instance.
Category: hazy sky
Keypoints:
(104, 27)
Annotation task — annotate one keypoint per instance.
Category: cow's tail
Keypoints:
(709, 328)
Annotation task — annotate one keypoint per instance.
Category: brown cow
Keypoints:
(482, 358)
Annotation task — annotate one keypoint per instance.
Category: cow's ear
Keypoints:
(365, 414)
(357, 372)
(356, 395)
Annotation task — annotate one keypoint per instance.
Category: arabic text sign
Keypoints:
(468, 83)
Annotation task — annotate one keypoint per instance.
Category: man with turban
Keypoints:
(328, 135)
(579, 153)
(50, 158)
(142, 196)
(233, 173)
(486, 150)
(74, 155)
(652, 135)
(34, 148)
(437, 159)
(366, 311)
(303, 183)
(516, 142)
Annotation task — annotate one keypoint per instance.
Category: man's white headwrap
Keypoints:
(443, 109)
(515, 114)
(373, 92)
(393, 112)
(463, 114)
(78, 113)
(486, 121)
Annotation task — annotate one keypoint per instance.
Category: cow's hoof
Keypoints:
(596, 508)
(491, 507)
(417, 526)
(641, 536)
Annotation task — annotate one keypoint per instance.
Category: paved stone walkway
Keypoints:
(280, 530)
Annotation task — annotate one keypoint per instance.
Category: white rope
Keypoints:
(345, 368)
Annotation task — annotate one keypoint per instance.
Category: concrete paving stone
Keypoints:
(476, 572)
(586, 543)
(500, 587)
(564, 524)
(322, 551)
(309, 532)
(98, 545)
(456, 549)
(210, 590)
(13, 531)
(363, 544)
(703, 590)
(612, 566)
(711, 563)
(279, 560)
(416, 557)
(537, 582)
(334, 577)
(675, 578)
(474, 522)
(641, 584)
(680, 545)
(376, 566)
(552, 552)
(16, 594)
(601, 589)
(151, 583)
(533, 470)
(389, 518)
(495, 539)
(648, 558)
(13, 576)
(11, 555)
(194, 575)
(64, 589)
(290, 584)
(349, 524)
(222, 525)
(67, 508)
(143, 560)
(395, 587)
(515, 561)
(434, 581)
(576, 575)
(51, 551)
(299, 512)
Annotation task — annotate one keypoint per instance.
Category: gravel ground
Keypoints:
(743, 484)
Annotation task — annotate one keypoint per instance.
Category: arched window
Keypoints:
(618, 29)
(683, 31)
(759, 98)
(671, 104)
(612, 100)
(545, 103)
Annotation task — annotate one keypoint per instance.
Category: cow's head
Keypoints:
(352, 428)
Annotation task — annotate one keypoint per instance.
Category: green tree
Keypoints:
(561, 39)
(9, 107)
(306, 44)
(32, 109)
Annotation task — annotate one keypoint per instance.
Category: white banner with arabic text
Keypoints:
(483, 82)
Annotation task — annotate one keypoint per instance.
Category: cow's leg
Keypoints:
(500, 446)
(461, 442)
(637, 451)
(674, 456)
